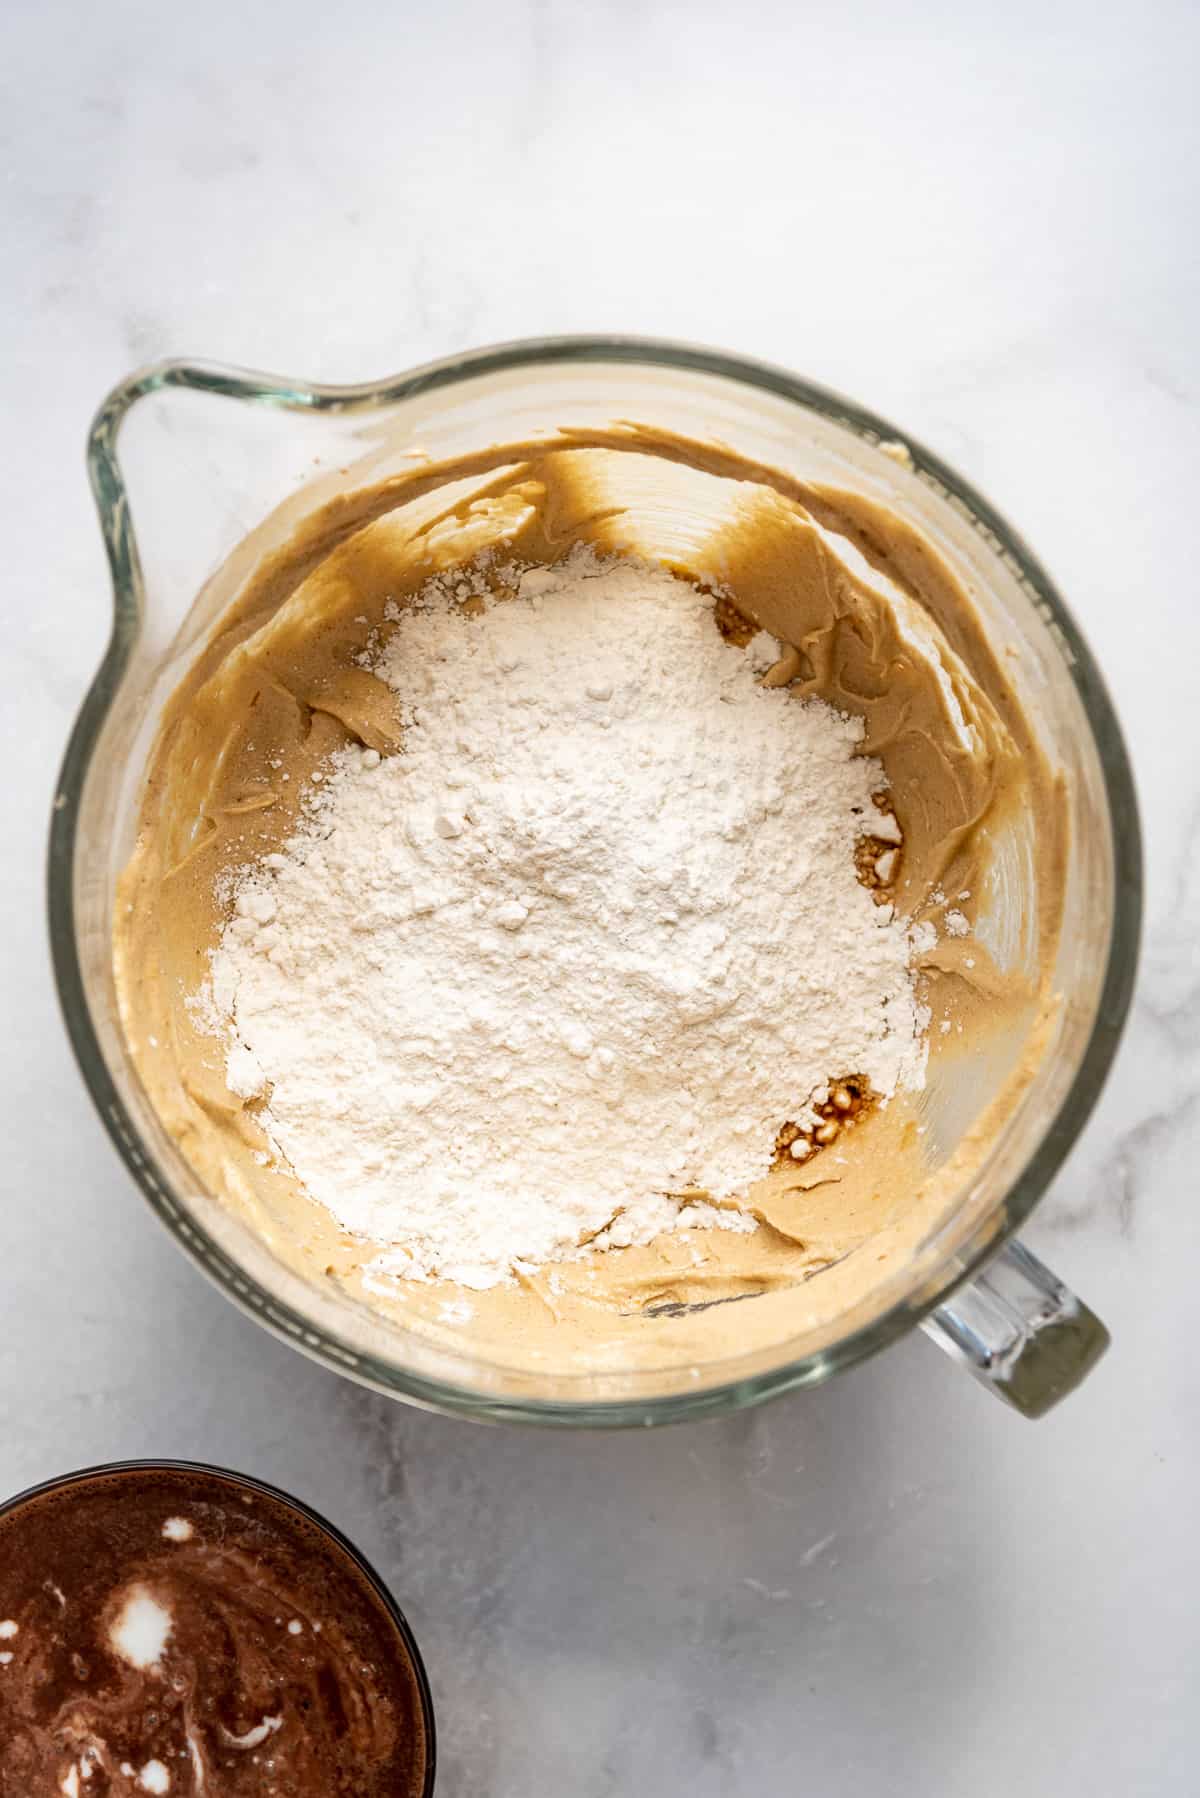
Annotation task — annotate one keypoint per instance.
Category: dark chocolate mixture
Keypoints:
(175, 1632)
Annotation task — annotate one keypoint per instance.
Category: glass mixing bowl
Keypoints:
(223, 465)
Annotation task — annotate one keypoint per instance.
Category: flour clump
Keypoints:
(552, 979)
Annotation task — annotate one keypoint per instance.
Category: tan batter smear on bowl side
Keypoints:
(877, 625)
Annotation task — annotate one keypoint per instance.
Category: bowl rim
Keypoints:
(105, 1469)
(324, 1345)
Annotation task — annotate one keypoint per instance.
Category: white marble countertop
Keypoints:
(980, 220)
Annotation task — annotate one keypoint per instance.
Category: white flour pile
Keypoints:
(590, 940)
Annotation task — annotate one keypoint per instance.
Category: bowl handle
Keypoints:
(1020, 1331)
